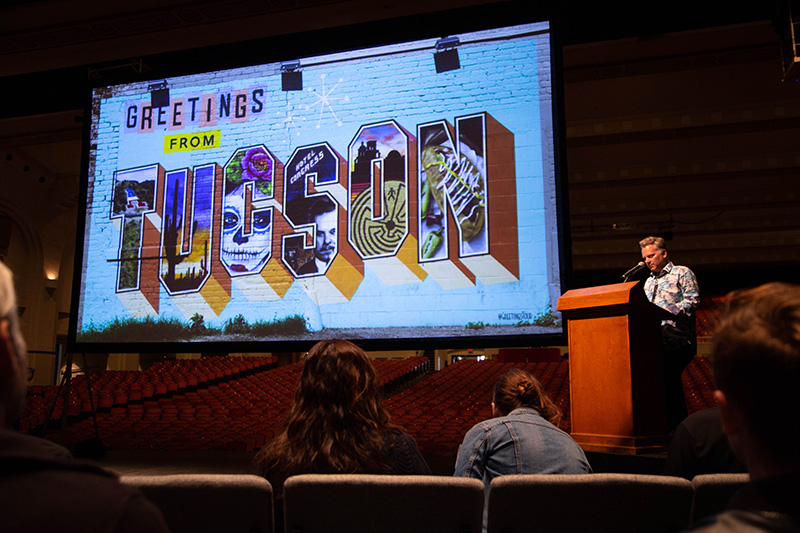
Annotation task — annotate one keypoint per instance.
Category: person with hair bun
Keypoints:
(522, 438)
(337, 424)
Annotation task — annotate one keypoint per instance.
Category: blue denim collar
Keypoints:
(524, 411)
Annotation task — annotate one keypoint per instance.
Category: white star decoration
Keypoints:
(324, 100)
(289, 120)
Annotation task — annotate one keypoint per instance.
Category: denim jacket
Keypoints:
(520, 443)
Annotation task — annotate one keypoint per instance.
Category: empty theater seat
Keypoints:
(353, 503)
(589, 502)
(712, 493)
(196, 503)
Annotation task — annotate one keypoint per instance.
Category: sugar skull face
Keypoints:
(245, 244)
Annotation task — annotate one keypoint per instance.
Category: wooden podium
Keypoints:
(616, 370)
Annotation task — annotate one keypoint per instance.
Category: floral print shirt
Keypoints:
(675, 289)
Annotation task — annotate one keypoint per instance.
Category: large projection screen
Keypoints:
(394, 199)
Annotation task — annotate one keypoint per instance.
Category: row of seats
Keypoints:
(439, 410)
(120, 387)
(242, 411)
(238, 413)
(698, 385)
(399, 504)
(709, 315)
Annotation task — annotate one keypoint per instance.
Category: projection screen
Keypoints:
(396, 194)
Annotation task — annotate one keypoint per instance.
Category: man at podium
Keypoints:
(674, 288)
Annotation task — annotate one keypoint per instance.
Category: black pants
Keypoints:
(675, 361)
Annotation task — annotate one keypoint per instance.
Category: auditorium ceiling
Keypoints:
(49, 48)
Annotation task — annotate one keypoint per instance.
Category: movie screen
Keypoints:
(397, 193)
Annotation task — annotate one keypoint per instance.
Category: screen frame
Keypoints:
(379, 33)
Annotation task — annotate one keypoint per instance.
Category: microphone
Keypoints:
(640, 265)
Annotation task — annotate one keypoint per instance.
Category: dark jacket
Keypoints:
(42, 488)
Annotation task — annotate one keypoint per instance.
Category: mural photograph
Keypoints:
(388, 199)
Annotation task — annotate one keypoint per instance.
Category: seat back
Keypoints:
(712, 492)
(194, 503)
(588, 502)
(353, 503)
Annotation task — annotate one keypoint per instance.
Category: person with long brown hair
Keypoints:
(522, 438)
(338, 423)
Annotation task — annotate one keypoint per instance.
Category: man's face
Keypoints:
(244, 253)
(655, 258)
(325, 244)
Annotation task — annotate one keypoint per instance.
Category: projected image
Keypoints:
(246, 237)
(133, 195)
(385, 201)
(377, 223)
(323, 215)
(453, 174)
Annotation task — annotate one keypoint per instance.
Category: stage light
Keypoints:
(159, 94)
(446, 56)
(291, 77)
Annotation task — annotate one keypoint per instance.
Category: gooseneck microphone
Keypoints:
(640, 265)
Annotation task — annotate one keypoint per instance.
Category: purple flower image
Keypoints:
(256, 165)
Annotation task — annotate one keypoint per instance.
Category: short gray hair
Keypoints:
(660, 243)
(9, 310)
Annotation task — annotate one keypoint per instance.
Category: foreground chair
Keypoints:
(194, 503)
(353, 503)
(712, 493)
(589, 502)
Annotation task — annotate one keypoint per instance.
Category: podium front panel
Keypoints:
(616, 369)
(600, 375)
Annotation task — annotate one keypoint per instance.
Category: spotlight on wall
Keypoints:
(446, 56)
(291, 77)
(159, 94)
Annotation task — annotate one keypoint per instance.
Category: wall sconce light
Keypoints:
(50, 286)
(446, 56)
(291, 77)
(159, 93)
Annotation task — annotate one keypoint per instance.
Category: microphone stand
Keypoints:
(635, 270)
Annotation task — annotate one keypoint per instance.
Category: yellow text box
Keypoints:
(185, 142)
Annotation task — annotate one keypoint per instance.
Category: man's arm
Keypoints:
(683, 296)
(690, 293)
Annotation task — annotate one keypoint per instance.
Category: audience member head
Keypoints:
(517, 388)
(338, 422)
(339, 384)
(757, 370)
(13, 354)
